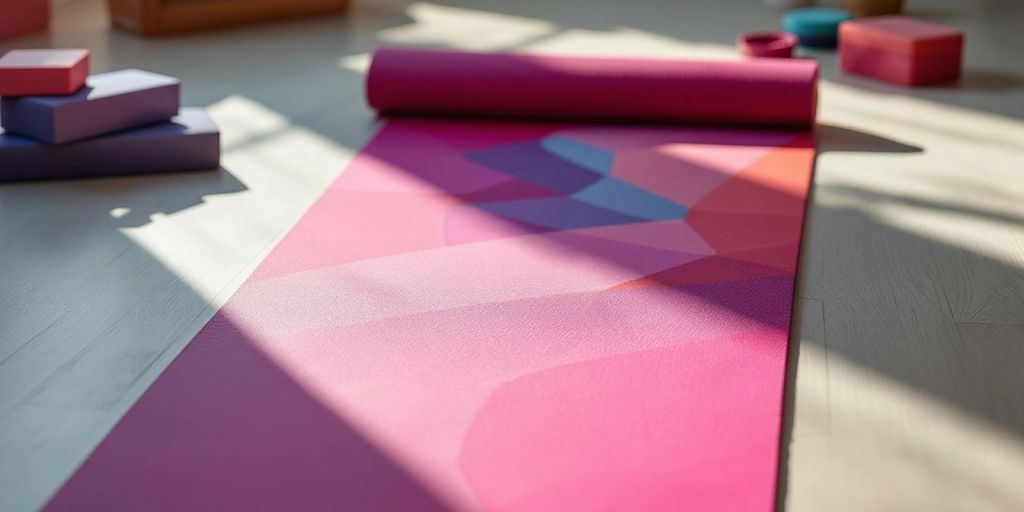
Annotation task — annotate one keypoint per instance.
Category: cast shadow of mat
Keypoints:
(829, 138)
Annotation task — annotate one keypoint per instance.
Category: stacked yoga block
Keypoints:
(58, 122)
(901, 50)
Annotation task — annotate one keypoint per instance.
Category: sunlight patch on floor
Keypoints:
(277, 162)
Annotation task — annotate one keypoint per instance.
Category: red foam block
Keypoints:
(43, 72)
(20, 17)
(901, 50)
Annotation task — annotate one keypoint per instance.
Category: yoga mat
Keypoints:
(493, 315)
(762, 91)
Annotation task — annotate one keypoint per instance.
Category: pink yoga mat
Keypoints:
(500, 316)
(762, 91)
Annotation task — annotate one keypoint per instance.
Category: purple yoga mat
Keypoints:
(109, 102)
(775, 92)
(189, 141)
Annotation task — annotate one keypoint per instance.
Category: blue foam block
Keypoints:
(109, 102)
(189, 141)
(815, 26)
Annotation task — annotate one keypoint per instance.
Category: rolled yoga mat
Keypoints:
(403, 81)
(494, 315)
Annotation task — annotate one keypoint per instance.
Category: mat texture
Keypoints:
(493, 316)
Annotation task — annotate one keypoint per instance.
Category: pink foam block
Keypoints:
(20, 17)
(43, 72)
(901, 50)
(655, 90)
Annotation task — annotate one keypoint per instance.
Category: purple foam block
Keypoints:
(189, 141)
(109, 102)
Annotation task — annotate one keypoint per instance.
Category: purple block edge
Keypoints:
(74, 117)
(189, 142)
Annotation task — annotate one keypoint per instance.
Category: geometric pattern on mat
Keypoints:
(493, 316)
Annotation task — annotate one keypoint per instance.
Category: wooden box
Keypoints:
(150, 17)
(863, 8)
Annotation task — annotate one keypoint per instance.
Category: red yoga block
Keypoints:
(901, 50)
(43, 72)
(20, 17)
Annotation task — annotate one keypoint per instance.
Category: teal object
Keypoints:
(815, 26)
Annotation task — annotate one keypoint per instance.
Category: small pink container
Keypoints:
(767, 44)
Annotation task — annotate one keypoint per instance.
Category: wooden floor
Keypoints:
(909, 338)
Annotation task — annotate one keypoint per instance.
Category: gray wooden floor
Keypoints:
(909, 336)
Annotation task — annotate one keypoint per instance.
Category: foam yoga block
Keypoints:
(36, 72)
(777, 92)
(189, 141)
(901, 50)
(21, 17)
(815, 26)
(109, 102)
